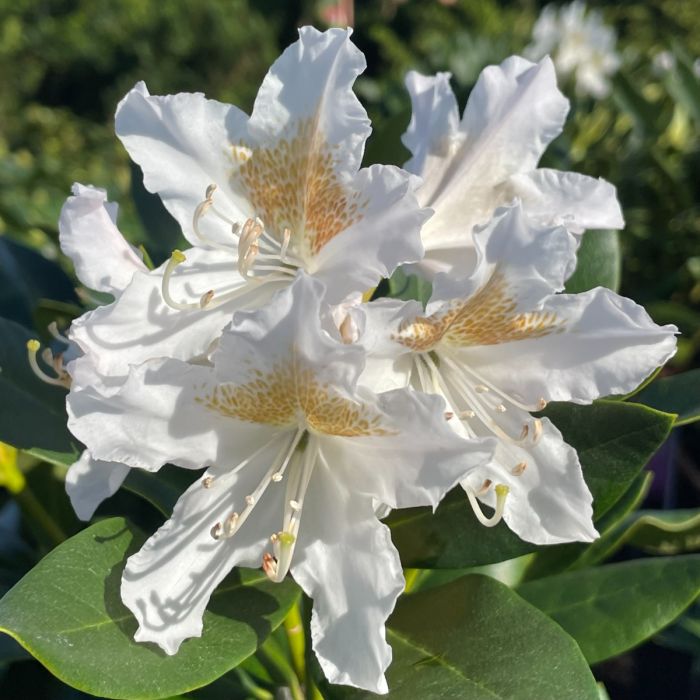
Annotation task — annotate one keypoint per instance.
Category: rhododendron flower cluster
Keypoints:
(255, 355)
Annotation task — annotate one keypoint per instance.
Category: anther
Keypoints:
(230, 524)
(541, 404)
(207, 481)
(519, 468)
(500, 408)
(481, 389)
(206, 298)
(467, 414)
(524, 432)
(250, 500)
(347, 330)
(449, 415)
(277, 477)
(210, 191)
(295, 505)
(484, 487)
(537, 430)
(216, 531)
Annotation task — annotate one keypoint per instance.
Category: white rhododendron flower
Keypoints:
(258, 198)
(105, 262)
(471, 166)
(501, 343)
(297, 456)
(581, 45)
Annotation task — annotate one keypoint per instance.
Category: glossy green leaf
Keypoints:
(67, 612)
(32, 413)
(577, 555)
(475, 639)
(679, 394)
(612, 608)
(598, 263)
(614, 441)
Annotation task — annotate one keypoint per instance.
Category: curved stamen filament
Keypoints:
(62, 379)
(177, 258)
(501, 494)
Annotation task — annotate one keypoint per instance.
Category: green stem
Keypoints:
(36, 511)
(251, 687)
(294, 627)
(274, 655)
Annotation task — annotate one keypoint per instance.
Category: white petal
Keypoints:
(419, 459)
(516, 257)
(576, 201)
(288, 330)
(386, 235)
(607, 345)
(513, 113)
(140, 326)
(313, 79)
(183, 144)
(345, 561)
(160, 415)
(88, 235)
(168, 583)
(90, 481)
(549, 501)
(434, 120)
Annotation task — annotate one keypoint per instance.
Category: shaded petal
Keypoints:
(416, 462)
(183, 144)
(434, 121)
(514, 111)
(168, 583)
(313, 80)
(345, 561)
(518, 262)
(140, 326)
(161, 415)
(549, 501)
(89, 236)
(576, 201)
(602, 344)
(90, 481)
(385, 236)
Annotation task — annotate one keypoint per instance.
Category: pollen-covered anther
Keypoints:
(207, 481)
(276, 566)
(216, 531)
(61, 379)
(250, 500)
(295, 505)
(277, 477)
(501, 494)
(230, 524)
(536, 430)
(519, 468)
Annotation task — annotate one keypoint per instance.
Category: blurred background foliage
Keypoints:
(65, 64)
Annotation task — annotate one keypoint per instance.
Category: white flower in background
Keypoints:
(501, 343)
(297, 455)
(258, 198)
(469, 167)
(581, 45)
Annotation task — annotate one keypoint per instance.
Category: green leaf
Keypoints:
(614, 441)
(663, 532)
(610, 609)
(679, 394)
(577, 555)
(475, 639)
(32, 413)
(598, 263)
(405, 287)
(161, 489)
(67, 612)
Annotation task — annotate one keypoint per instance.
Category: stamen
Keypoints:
(216, 531)
(62, 379)
(207, 481)
(53, 329)
(177, 258)
(199, 213)
(501, 494)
